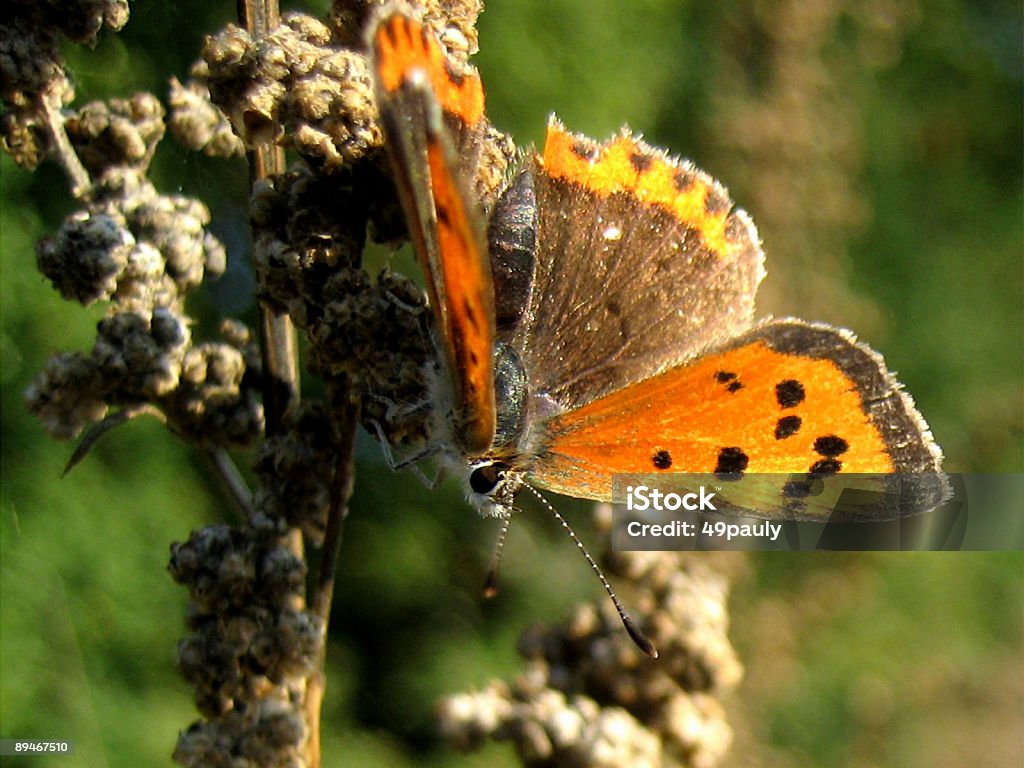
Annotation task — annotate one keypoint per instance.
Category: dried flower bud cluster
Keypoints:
(307, 85)
(32, 76)
(217, 400)
(117, 134)
(133, 246)
(197, 124)
(292, 85)
(143, 251)
(307, 227)
(81, 20)
(295, 469)
(137, 249)
(590, 697)
(310, 233)
(262, 736)
(378, 334)
(251, 647)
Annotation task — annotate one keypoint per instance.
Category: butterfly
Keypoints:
(599, 318)
(596, 318)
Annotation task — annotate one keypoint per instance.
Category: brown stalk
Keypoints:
(277, 334)
(281, 392)
(66, 155)
(323, 588)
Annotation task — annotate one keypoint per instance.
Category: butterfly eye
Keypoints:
(487, 477)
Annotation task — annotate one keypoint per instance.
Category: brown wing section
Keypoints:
(643, 261)
(425, 110)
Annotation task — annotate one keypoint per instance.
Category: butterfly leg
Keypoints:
(410, 462)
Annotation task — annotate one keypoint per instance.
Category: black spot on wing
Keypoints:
(732, 383)
(716, 203)
(787, 426)
(831, 446)
(732, 462)
(585, 151)
(826, 467)
(790, 393)
(662, 460)
(797, 489)
(640, 161)
(684, 179)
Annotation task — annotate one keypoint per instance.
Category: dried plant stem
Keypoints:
(280, 367)
(341, 492)
(281, 392)
(259, 16)
(323, 588)
(77, 175)
(222, 463)
(278, 343)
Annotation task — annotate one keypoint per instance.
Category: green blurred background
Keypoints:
(877, 145)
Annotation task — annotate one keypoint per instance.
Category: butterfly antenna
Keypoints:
(638, 637)
(491, 585)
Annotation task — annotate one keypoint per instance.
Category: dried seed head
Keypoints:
(32, 75)
(198, 124)
(87, 257)
(589, 697)
(118, 132)
(141, 353)
(31, 65)
(68, 394)
(292, 84)
(295, 469)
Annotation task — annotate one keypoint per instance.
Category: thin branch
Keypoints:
(279, 350)
(281, 373)
(77, 175)
(224, 466)
(323, 588)
(259, 16)
(341, 492)
(277, 333)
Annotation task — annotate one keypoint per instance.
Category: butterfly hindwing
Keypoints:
(788, 398)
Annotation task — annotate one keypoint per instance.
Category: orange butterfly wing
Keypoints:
(789, 397)
(420, 96)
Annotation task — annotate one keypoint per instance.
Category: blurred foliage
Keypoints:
(878, 146)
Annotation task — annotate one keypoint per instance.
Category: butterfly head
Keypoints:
(492, 486)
